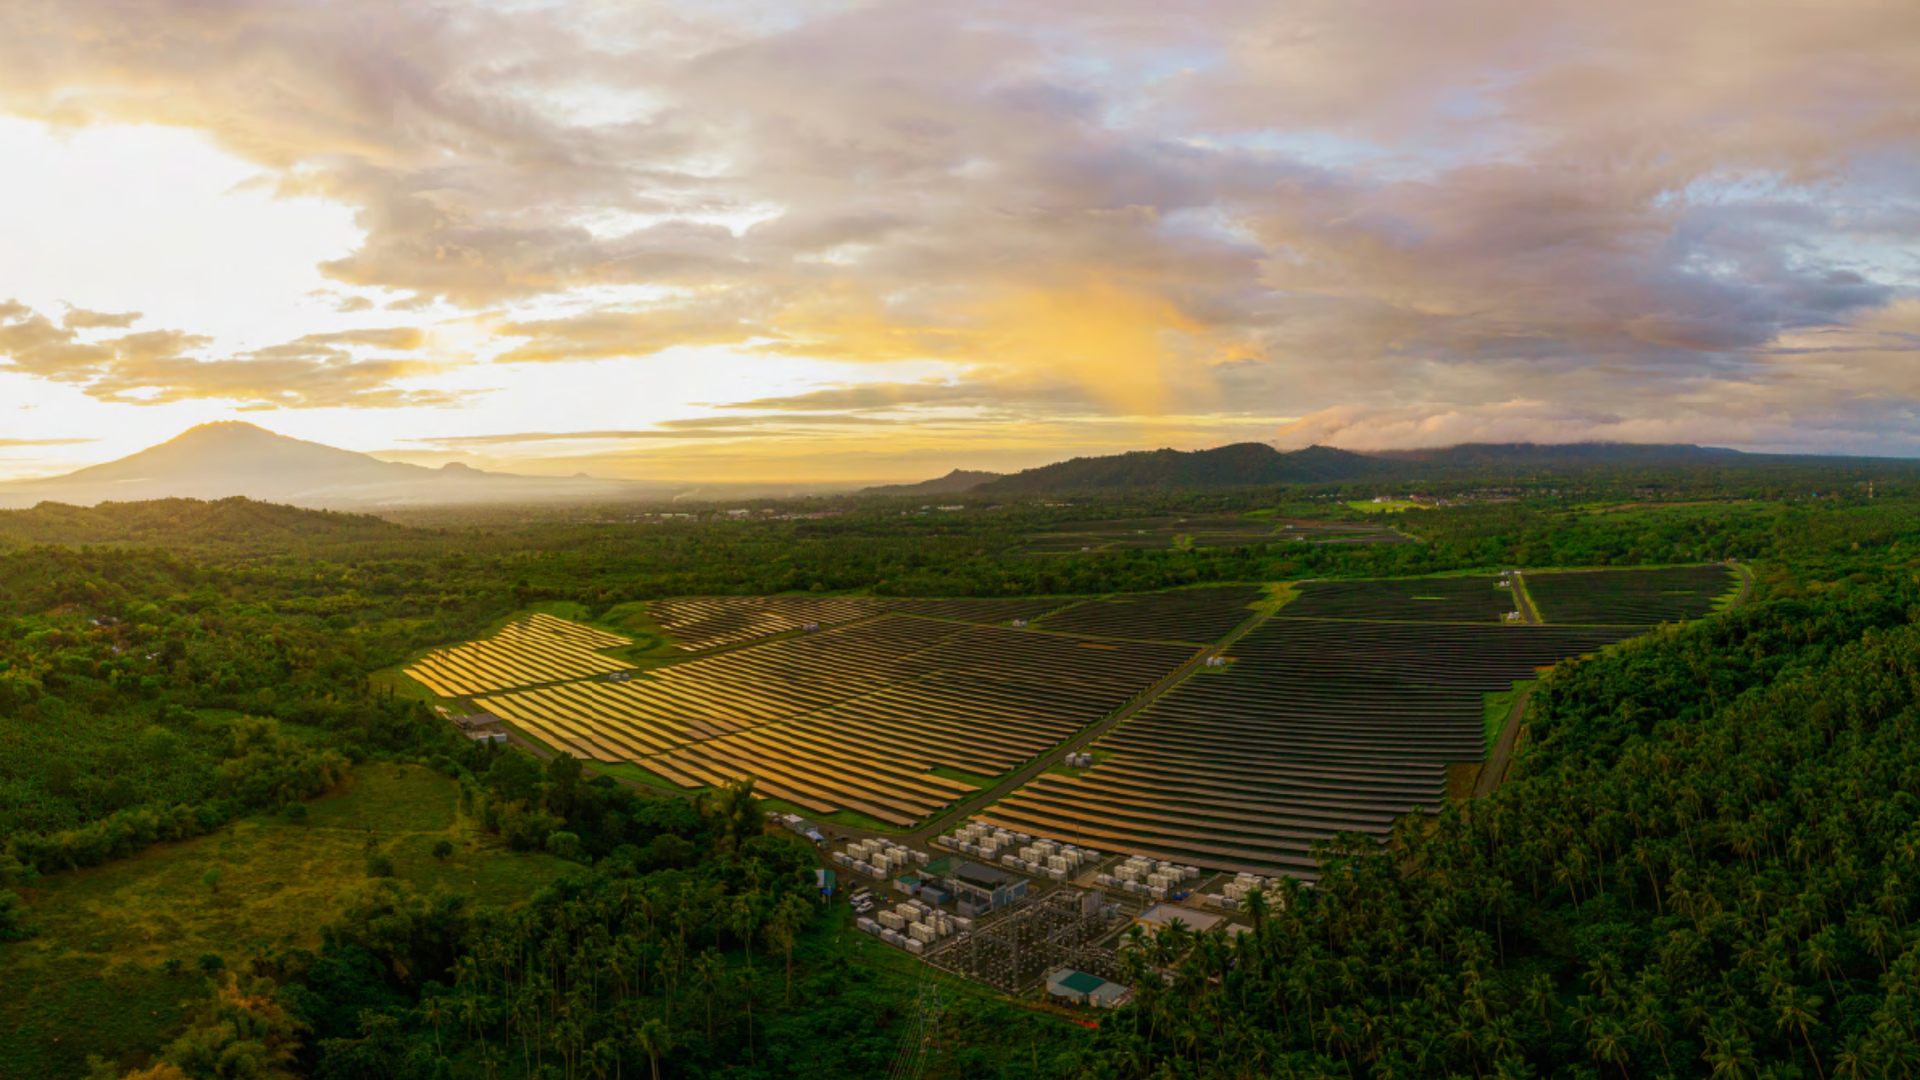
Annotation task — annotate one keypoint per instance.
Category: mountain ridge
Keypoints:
(229, 458)
(955, 481)
(1256, 464)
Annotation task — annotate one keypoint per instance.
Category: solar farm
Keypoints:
(853, 718)
(1447, 599)
(1199, 531)
(1314, 727)
(1630, 597)
(537, 649)
(1222, 733)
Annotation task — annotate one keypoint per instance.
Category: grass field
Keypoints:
(1499, 706)
(1395, 507)
(91, 981)
(1279, 595)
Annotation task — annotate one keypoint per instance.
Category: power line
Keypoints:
(922, 1037)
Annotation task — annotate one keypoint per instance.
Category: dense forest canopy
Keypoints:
(1703, 865)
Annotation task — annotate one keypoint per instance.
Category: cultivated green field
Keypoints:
(93, 979)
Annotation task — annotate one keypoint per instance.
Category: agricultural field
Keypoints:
(853, 718)
(1196, 615)
(1448, 599)
(95, 978)
(1631, 597)
(709, 622)
(1315, 727)
(537, 649)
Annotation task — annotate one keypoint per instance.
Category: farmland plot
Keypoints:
(537, 649)
(852, 718)
(1452, 599)
(1630, 597)
(1316, 727)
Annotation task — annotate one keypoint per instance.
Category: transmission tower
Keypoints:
(922, 1037)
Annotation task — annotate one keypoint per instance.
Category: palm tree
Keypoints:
(434, 1011)
(1608, 1045)
(735, 812)
(745, 981)
(706, 975)
(1821, 951)
(742, 919)
(653, 1040)
(789, 915)
(1794, 1010)
(473, 1012)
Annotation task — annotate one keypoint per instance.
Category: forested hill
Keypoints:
(1482, 455)
(1239, 465)
(955, 481)
(1250, 465)
(188, 523)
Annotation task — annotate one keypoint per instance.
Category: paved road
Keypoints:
(1501, 759)
(1746, 584)
(1523, 600)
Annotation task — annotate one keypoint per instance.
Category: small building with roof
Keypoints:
(1159, 916)
(978, 888)
(1084, 989)
(482, 727)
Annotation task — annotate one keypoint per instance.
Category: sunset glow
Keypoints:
(868, 242)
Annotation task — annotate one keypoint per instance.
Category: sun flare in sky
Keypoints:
(849, 242)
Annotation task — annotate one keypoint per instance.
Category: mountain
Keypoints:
(955, 481)
(1257, 464)
(222, 460)
(232, 522)
(1470, 455)
(1239, 465)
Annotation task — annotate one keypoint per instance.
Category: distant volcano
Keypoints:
(214, 461)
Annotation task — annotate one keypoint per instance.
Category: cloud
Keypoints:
(392, 337)
(1859, 427)
(44, 442)
(703, 427)
(1653, 212)
(82, 319)
(163, 366)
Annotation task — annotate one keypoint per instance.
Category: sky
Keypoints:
(836, 242)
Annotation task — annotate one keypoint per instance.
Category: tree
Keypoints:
(707, 969)
(13, 917)
(379, 865)
(211, 963)
(434, 1010)
(789, 915)
(563, 845)
(443, 850)
(211, 879)
(653, 1040)
(734, 812)
(741, 920)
